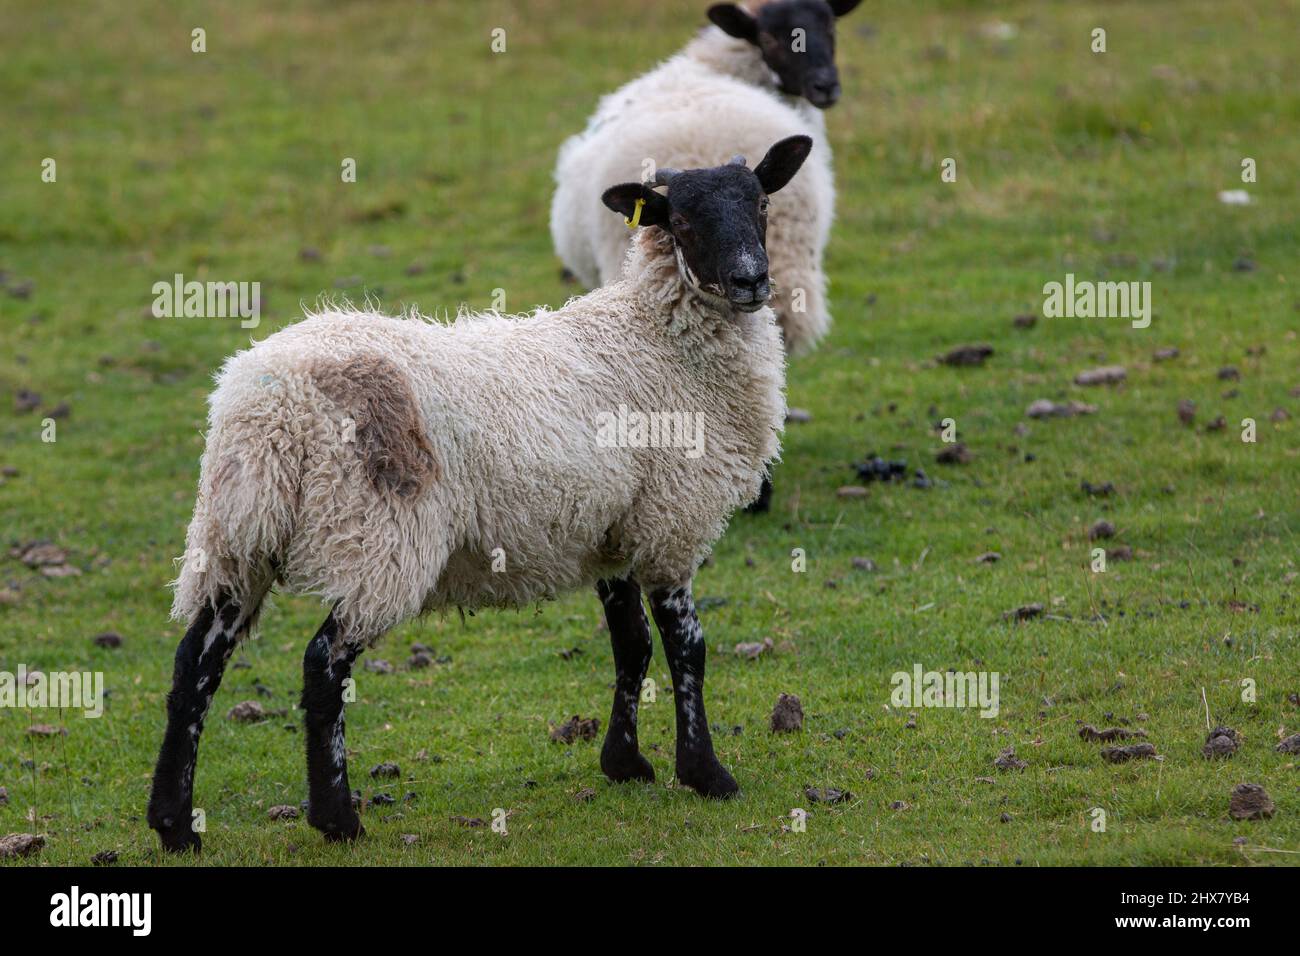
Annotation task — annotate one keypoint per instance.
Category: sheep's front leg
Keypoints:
(200, 662)
(629, 633)
(679, 629)
(325, 672)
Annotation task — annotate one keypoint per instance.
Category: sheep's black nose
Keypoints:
(748, 281)
(824, 89)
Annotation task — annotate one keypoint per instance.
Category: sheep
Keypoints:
(741, 83)
(395, 466)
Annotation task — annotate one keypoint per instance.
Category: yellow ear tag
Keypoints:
(636, 215)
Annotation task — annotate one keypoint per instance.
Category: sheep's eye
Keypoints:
(679, 223)
(762, 205)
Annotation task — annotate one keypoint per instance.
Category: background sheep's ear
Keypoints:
(733, 21)
(782, 162)
(622, 199)
(841, 7)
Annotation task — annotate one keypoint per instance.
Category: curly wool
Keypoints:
(711, 101)
(397, 465)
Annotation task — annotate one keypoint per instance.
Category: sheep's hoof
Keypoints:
(177, 839)
(345, 832)
(711, 781)
(625, 769)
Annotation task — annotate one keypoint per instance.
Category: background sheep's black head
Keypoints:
(718, 219)
(797, 39)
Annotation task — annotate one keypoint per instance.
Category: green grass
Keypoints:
(225, 165)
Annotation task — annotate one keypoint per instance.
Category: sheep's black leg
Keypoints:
(200, 661)
(325, 671)
(763, 503)
(629, 633)
(679, 629)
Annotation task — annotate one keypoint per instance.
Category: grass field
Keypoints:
(225, 165)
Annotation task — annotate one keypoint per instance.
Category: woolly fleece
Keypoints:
(380, 461)
(711, 101)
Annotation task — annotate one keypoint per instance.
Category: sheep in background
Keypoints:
(385, 463)
(739, 85)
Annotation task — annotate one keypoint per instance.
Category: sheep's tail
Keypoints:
(244, 517)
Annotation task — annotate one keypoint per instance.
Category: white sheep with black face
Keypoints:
(762, 71)
(397, 465)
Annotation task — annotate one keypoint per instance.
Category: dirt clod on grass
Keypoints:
(110, 639)
(283, 812)
(875, 468)
(1024, 613)
(47, 730)
(967, 355)
(787, 715)
(1187, 411)
(104, 858)
(1221, 742)
(469, 822)
(576, 728)
(20, 844)
(1046, 408)
(752, 650)
(1007, 760)
(954, 454)
(1105, 375)
(46, 557)
(1250, 801)
(1131, 752)
(988, 557)
(385, 770)
(827, 795)
(1101, 529)
(247, 711)
(26, 400)
(1291, 745)
(1091, 733)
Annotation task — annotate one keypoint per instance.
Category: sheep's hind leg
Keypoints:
(200, 662)
(679, 629)
(629, 633)
(326, 669)
(763, 503)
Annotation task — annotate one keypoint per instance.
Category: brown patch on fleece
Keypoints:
(390, 436)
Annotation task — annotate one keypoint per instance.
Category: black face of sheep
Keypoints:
(797, 39)
(718, 219)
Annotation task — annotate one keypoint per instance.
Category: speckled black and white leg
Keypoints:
(679, 629)
(200, 663)
(326, 667)
(629, 633)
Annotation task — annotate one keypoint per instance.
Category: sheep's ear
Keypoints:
(733, 21)
(782, 162)
(622, 199)
(842, 7)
